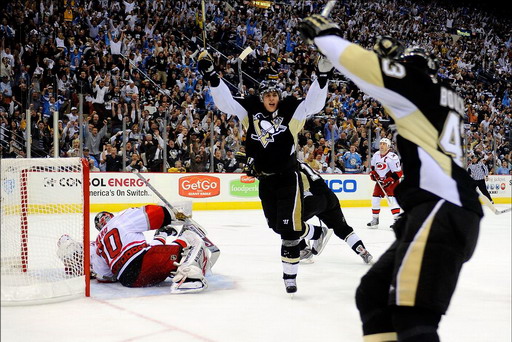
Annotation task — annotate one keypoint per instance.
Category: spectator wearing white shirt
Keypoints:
(129, 90)
(100, 88)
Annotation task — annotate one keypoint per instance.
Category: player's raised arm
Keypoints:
(317, 93)
(220, 91)
(362, 66)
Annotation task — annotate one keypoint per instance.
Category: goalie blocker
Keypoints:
(121, 252)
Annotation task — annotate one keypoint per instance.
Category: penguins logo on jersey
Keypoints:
(267, 129)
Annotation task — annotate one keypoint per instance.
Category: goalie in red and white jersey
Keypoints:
(122, 253)
(386, 173)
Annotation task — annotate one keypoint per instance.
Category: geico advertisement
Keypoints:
(499, 186)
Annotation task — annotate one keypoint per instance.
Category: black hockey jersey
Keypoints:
(271, 137)
(428, 117)
(312, 181)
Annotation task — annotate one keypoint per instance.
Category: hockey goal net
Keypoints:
(42, 200)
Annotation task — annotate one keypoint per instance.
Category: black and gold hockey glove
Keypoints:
(316, 26)
(249, 168)
(206, 68)
(388, 47)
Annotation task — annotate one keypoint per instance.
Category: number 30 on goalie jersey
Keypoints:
(122, 239)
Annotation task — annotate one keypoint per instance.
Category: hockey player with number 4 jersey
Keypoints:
(406, 292)
(386, 173)
(122, 253)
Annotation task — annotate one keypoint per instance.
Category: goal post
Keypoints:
(42, 200)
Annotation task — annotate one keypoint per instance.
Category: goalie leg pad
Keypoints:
(201, 232)
(195, 262)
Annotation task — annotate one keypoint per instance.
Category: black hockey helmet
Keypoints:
(420, 59)
(101, 219)
(388, 47)
(268, 87)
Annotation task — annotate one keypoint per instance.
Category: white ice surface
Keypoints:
(246, 301)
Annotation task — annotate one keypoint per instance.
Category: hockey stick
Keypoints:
(491, 206)
(383, 191)
(203, 10)
(328, 8)
(177, 214)
(193, 225)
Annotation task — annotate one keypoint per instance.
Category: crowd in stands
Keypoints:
(133, 62)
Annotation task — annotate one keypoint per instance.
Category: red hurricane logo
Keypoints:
(380, 166)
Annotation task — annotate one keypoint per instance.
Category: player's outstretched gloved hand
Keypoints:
(206, 68)
(387, 182)
(374, 176)
(316, 26)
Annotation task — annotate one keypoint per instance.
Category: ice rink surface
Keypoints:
(246, 300)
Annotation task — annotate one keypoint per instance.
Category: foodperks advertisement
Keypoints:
(214, 191)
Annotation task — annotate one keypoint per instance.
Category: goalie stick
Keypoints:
(491, 205)
(189, 223)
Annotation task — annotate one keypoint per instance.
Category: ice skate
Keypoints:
(290, 285)
(319, 245)
(306, 255)
(374, 223)
(364, 254)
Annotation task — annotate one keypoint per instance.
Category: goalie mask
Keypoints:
(419, 58)
(101, 219)
(269, 87)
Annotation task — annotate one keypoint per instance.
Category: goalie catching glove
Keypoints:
(206, 68)
(316, 26)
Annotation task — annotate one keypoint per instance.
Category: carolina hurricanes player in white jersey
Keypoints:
(121, 252)
(387, 171)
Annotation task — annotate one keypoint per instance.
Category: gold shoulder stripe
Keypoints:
(363, 63)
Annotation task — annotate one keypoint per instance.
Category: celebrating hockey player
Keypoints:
(320, 201)
(405, 293)
(272, 125)
(121, 252)
(386, 173)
